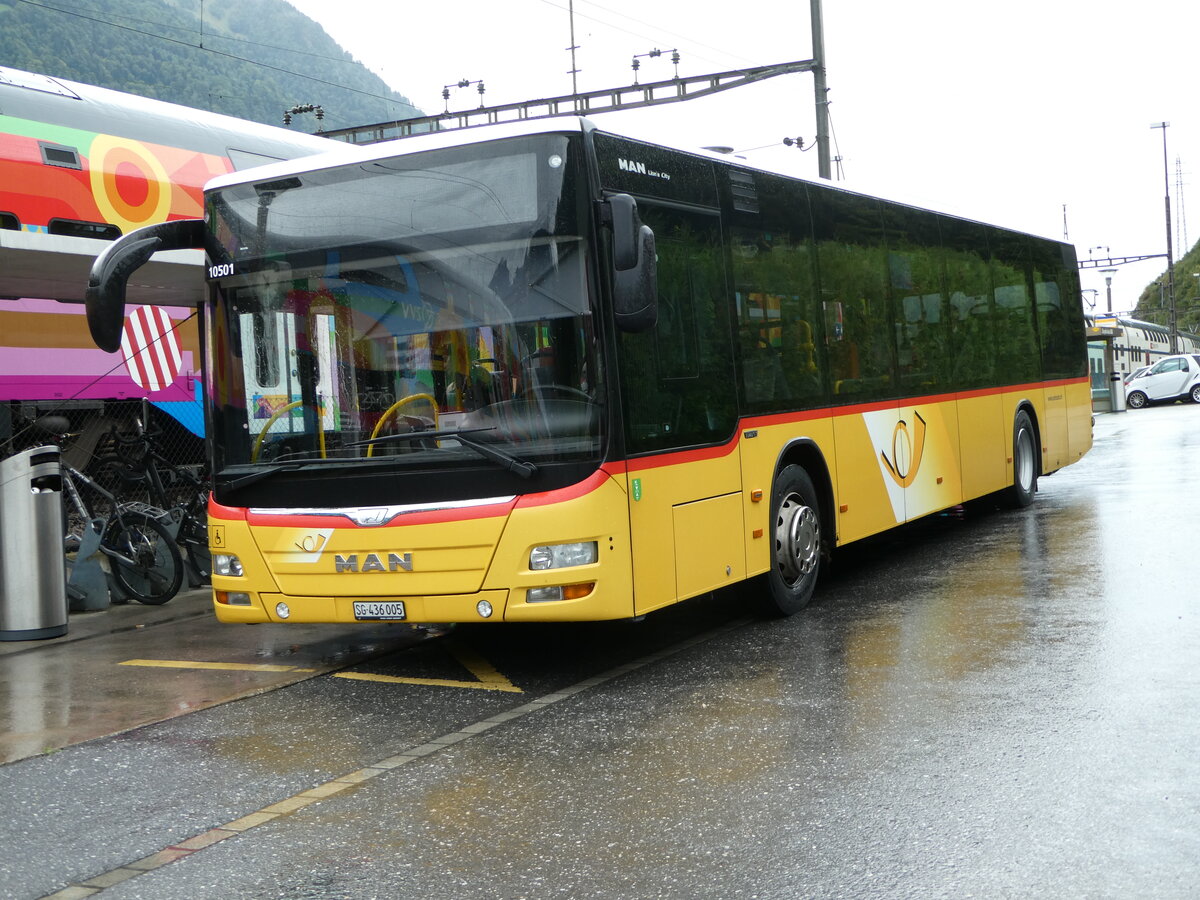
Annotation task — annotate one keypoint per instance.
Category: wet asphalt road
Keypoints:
(1000, 705)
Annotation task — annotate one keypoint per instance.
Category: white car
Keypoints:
(1135, 373)
(1171, 378)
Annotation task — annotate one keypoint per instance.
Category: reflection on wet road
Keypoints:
(998, 705)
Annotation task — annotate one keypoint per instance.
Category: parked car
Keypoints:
(1135, 373)
(1171, 378)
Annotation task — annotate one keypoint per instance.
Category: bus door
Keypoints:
(679, 399)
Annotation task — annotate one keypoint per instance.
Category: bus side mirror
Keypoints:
(105, 297)
(635, 267)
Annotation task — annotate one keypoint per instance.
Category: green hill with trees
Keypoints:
(1152, 304)
(247, 58)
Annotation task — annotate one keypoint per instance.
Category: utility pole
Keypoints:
(1172, 321)
(574, 68)
(822, 92)
(1181, 235)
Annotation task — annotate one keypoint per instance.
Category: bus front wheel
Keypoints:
(1025, 467)
(796, 531)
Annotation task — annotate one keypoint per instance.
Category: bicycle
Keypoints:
(143, 559)
(135, 460)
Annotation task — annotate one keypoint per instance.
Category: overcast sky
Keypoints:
(1004, 112)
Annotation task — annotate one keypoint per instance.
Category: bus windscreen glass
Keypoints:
(446, 325)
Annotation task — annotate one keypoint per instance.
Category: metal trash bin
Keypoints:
(1118, 392)
(33, 581)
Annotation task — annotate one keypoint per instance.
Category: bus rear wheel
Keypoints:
(796, 531)
(1025, 468)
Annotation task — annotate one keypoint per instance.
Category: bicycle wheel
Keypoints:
(146, 565)
(193, 542)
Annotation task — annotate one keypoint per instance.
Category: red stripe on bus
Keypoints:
(571, 492)
(831, 412)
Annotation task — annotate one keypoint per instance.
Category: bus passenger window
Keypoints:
(777, 315)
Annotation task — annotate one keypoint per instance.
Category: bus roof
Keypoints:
(349, 154)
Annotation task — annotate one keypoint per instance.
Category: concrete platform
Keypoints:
(132, 665)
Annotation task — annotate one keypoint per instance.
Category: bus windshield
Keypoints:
(427, 312)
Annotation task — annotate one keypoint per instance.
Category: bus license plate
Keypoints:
(378, 609)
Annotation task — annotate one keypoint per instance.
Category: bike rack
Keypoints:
(88, 585)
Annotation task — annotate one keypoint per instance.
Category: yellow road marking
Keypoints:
(228, 667)
(433, 682)
(487, 678)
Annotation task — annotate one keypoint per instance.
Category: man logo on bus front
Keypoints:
(396, 562)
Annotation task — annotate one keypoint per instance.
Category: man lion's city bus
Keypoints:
(548, 373)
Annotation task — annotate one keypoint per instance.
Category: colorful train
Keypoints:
(81, 165)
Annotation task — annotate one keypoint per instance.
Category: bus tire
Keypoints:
(796, 537)
(1025, 466)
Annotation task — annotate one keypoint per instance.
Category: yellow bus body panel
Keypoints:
(763, 443)
(601, 515)
(1079, 419)
(986, 441)
(444, 557)
(685, 524)
(454, 564)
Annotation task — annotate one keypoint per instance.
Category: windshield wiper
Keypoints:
(265, 472)
(274, 467)
(506, 461)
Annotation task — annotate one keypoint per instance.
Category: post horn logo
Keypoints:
(907, 450)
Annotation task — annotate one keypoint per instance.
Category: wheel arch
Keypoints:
(805, 453)
(1027, 407)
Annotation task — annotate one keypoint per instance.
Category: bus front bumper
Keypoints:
(482, 606)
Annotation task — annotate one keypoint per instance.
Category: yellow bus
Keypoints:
(544, 372)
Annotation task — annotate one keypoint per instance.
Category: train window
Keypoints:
(73, 228)
(9, 222)
(59, 155)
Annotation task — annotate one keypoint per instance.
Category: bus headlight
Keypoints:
(226, 564)
(563, 556)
